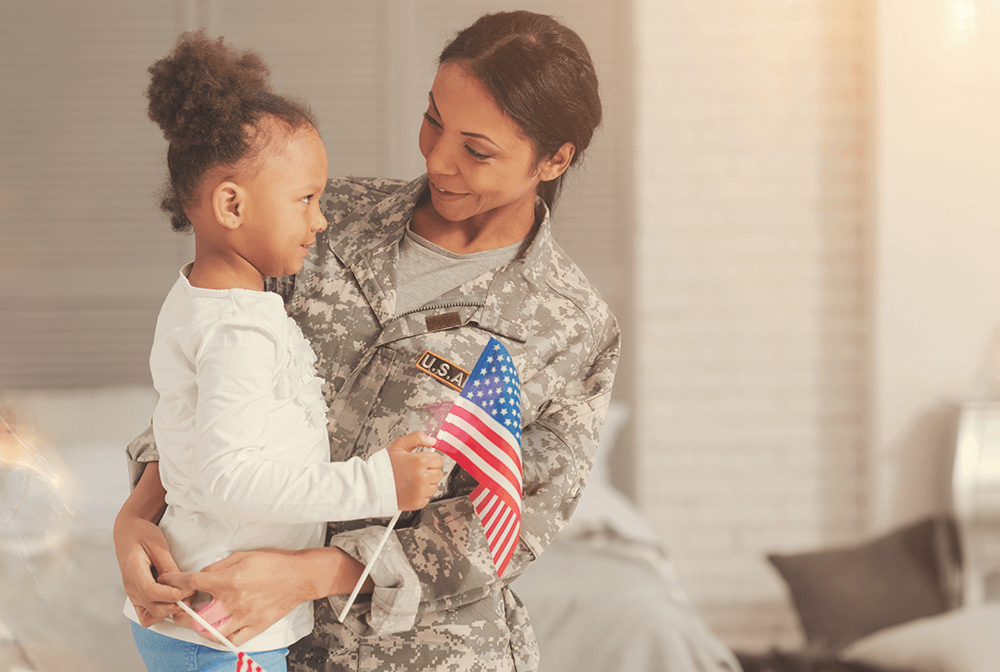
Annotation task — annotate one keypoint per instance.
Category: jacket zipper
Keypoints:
(439, 306)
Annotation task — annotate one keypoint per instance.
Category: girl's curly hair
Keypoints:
(215, 107)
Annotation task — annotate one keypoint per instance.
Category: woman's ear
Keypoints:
(228, 201)
(557, 164)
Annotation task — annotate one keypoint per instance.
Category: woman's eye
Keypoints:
(431, 120)
(305, 199)
(473, 153)
(476, 155)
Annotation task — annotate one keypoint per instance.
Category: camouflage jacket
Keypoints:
(438, 602)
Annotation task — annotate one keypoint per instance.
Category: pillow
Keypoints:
(846, 593)
(963, 640)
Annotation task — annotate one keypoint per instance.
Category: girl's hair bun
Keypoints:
(209, 99)
(198, 93)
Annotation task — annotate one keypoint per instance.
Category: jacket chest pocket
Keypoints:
(402, 387)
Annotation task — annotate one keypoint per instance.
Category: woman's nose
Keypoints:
(440, 159)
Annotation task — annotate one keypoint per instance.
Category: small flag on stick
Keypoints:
(482, 432)
(244, 663)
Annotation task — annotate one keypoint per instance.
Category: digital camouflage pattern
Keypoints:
(438, 603)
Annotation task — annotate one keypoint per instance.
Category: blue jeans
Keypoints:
(166, 654)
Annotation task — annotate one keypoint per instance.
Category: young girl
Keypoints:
(241, 422)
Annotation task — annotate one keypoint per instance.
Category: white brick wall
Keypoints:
(752, 335)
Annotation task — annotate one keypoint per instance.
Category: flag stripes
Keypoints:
(482, 433)
(490, 436)
(245, 663)
(501, 523)
(496, 463)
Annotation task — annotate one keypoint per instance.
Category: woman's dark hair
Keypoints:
(540, 74)
(215, 107)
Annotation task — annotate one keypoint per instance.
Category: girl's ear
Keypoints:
(557, 164)
(228, 204)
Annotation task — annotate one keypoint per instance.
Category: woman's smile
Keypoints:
(446, 195)
(482, 171)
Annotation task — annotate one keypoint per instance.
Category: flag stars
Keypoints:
(495, 388)
(493, 399)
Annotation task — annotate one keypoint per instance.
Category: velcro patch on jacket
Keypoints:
(438, 367)
(444, 321)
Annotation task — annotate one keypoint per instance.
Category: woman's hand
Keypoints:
(256, 588)
(142, 551)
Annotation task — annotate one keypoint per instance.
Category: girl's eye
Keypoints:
(476, 155)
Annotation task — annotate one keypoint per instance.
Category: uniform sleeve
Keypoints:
(141, 450)
(443, 561)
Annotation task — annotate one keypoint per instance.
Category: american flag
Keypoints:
(482, 432)
(245, 663)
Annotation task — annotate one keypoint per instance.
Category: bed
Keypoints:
(922, 597)
(602, 597)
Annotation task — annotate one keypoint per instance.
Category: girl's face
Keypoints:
(281, 208)
(480, 166)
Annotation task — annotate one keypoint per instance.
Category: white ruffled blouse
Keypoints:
(241, 431)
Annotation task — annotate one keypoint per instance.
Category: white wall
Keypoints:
(753, 163)
(936, 270)
(817, 276)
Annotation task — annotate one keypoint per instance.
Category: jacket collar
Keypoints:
(366, 231)
(367, 242)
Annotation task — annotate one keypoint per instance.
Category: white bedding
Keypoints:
(604, 595)
(600, 605)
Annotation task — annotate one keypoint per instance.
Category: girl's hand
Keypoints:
(256, 588)
(142, 549)
(417, 474)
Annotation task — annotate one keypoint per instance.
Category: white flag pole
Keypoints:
(244, 661)
(368, 567)
(208, 626)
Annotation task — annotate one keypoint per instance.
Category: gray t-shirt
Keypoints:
(426, 271)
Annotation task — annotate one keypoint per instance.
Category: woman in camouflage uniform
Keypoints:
(406, 287)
